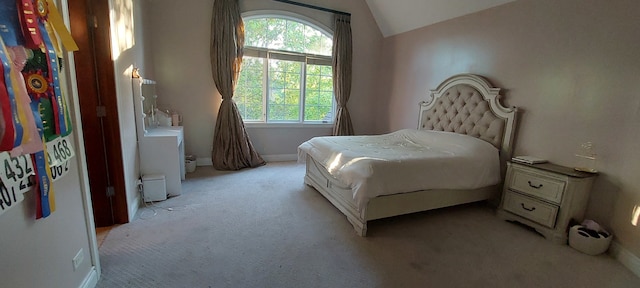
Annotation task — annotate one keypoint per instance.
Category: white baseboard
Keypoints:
(204, 162)
(624, 256)
(280, 157)
(91, 280)
(135, 205)
(268, 158)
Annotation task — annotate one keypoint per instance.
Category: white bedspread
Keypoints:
(405, 161)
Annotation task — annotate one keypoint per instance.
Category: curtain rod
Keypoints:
(313, 7)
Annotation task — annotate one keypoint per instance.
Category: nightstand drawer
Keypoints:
(530, 208)
(537, 185)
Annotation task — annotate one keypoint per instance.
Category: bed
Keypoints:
(456, 155)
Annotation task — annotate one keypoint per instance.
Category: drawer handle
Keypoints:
(528, 209)
(534, 186)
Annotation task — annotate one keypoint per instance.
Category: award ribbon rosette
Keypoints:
(42, 70)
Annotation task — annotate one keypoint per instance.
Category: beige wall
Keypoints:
(128, 52)
(178, 41)
(38, 253)
(571, 67)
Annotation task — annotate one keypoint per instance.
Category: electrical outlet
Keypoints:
(77, 260)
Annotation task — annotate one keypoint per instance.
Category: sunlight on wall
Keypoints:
(129, 72)
(121, 16)
(635, 216)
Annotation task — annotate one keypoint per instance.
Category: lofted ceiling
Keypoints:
(398, 16)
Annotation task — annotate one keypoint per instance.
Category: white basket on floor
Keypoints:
(588, 244)
(190, 165)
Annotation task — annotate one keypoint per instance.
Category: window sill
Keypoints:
(287, 125)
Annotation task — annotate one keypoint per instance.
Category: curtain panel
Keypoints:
(342, 58)
(232, 148)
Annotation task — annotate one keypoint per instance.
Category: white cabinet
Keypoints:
(161, 148)
(545, 197)
(162, 152)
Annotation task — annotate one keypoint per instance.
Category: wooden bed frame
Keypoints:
(443, 112)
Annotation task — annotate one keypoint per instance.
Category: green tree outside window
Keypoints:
(286, 73)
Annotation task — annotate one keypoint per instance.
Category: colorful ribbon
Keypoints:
(15, 117)
(61, 30)
(6, 143)
(54, 81)
(29, 22)
(46, 201)
(32, 142)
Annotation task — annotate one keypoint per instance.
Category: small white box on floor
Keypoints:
(154, 187)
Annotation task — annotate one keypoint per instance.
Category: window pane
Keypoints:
(312, 98)
(294, 37)
(275, 94)
(275, 28)
(318, 104)
(256, 32)
(316, 42)
(249, 91)
(286, 34)
(293, 80)
(284, 90)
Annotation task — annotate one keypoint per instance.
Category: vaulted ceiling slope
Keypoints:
(398, 16)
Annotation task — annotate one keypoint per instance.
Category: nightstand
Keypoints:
(545, 197)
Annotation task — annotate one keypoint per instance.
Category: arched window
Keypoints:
(286, 74)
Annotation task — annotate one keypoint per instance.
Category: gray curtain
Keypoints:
(232, 149)
(342, 57)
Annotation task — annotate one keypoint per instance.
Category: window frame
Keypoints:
(264, 54)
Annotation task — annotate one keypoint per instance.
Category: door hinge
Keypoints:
(110, 191)
(101, 111)
(94, 19)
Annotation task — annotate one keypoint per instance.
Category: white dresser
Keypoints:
(545, 197)
(161, 147)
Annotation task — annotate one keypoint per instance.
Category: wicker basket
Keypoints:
(588, 244)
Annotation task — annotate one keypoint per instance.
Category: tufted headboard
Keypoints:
(468, 104)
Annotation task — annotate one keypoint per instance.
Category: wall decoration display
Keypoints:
(35, 126)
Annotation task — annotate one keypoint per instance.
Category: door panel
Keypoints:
(96, 88)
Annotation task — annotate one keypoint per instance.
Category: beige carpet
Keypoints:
(264, 228)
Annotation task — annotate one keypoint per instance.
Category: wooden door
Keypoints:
(99, 112)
